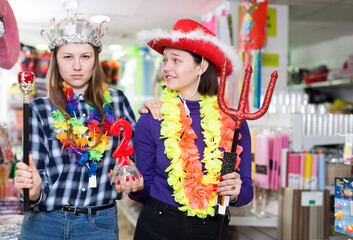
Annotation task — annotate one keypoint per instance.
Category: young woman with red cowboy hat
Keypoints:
(180, 157)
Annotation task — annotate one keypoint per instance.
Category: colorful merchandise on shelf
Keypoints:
(111, 70)
(341, 106)
(268, 159)
(252, 27)
(321, 171)
(343, 205)
(27, 58)
(115, 71)
(315, 77)
(3, 181)
(252, 36)
(107, 70)
(348, 149)
(7, 188)
(43, 64)
(33, 60)
(6, 154)
(10, 206)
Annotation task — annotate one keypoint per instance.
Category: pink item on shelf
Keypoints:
(314, 172)
(12, 190)
(285, 142)
(272, 161)
(294, 171)
(275, 163)
(211, 24)
(302, 168)
(283, 145)
(279, 161)
(262, 159)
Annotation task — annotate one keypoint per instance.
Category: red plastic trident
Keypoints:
(229, 158)
(239, 114)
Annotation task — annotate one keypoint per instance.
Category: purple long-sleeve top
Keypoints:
(152, 162)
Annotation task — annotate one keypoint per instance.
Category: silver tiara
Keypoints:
(74, 29)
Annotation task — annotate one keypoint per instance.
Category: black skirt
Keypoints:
(160, 221)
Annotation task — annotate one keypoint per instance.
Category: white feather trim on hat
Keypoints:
(230, 52)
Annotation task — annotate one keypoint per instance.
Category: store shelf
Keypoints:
(323, 84)
(331, 189)
(310, 141)
(251, 221)
(302, 142)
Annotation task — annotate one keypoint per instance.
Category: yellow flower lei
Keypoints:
(187, 189)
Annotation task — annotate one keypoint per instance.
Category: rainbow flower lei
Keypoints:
(77, 143)
(193, 188)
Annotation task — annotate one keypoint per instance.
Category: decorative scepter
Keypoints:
(239, 115)
(26, 85)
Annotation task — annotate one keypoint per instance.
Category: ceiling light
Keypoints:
(115, 47)
(42, 46)
(118, 54)
(100, 18)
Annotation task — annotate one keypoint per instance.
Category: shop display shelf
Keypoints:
(323, 84)
(253, 221)
(302, 142)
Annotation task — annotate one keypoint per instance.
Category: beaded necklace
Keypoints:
(194, 188)
(78, 141)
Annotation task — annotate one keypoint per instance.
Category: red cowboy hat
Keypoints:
(194, 37)
(9, 41)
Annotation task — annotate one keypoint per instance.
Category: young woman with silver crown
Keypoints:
(181, 156)
(71, 144)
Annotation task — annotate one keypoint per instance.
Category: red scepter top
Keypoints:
(25, 84)
(26, 77)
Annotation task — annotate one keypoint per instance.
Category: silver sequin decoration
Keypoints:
(75, 29)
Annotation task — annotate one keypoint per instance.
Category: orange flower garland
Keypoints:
(194, 188)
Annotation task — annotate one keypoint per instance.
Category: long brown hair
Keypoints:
(93, 95)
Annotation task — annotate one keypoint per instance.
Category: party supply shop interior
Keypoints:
(304, 141)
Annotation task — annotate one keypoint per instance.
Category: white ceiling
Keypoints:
(310, 21)
(314, 21)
